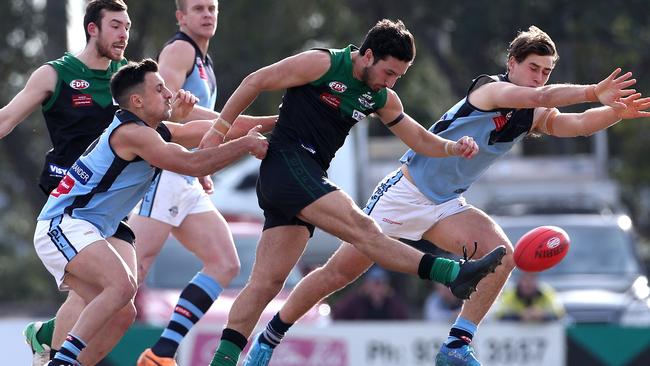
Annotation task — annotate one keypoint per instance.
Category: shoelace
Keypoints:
(465, 258)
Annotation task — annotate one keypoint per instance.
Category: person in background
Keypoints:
(529, 301)
(373, 299)
(441, 305)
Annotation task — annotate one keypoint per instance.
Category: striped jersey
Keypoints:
(100, 187)
(495, 131)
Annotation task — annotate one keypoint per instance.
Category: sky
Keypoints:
(76, 37)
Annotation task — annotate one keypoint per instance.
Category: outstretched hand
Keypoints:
(259, 144)
(636, 107)
(610, 90)
(466, 147)
(182, 104)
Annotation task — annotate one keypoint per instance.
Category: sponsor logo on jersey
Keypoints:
(80, 172)
(173, 211)
(389, 221)
(331, 100)
(79, 84)
(366, 101)
(64, 187)
(199, 65)
(82, 100)
(338, 86)
(56, 170)
(308, 148)
(501, 120)
(358, 116)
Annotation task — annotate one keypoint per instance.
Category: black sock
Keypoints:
(274, 331)
(464, 338)
(426, 264)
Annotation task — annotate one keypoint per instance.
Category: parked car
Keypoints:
(601, 280)
(175, 266)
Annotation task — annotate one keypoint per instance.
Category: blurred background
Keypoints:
(587, 183)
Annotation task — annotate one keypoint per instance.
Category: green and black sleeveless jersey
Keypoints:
(80, 108)
(318, 116)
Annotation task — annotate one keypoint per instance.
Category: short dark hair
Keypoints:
(94, 12)
(533, 41)
(389, 38)
(129, 77)
(180, 5)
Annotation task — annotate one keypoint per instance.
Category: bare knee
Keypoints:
(266, 288)
(365, 232)
(123, 289)
(222, 270)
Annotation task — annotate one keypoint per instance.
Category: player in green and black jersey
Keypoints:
(328, 91)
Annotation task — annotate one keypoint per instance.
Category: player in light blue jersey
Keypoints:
(423, 198)
(106, 182)
(180, 205)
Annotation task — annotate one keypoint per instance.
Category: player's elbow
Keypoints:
(5, 128)
(198, 168)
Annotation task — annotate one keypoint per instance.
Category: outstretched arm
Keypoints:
(131, 140)
(296, 70)
(417, 137)
(551, 122)
(609, 92)
(38, 88)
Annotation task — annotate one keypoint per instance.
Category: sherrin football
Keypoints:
(541, 248)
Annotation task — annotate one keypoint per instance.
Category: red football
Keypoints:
(541, 248)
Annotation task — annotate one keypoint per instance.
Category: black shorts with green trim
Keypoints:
(290, 180)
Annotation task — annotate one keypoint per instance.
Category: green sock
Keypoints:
(226, 355)
(444, 270)
(44, 335)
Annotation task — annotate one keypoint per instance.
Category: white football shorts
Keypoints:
(402, 211)
(59, 240)
(172, 197)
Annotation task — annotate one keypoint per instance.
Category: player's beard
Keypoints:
(104, 49)
(365, 77)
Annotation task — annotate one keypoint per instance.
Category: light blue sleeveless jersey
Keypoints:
(495, 132)
(101, 187)
(201, 80)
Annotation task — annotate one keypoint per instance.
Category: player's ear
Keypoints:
(511, 63)
(368, 57)
(136, 100)
(179, 17)
(92, 29)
